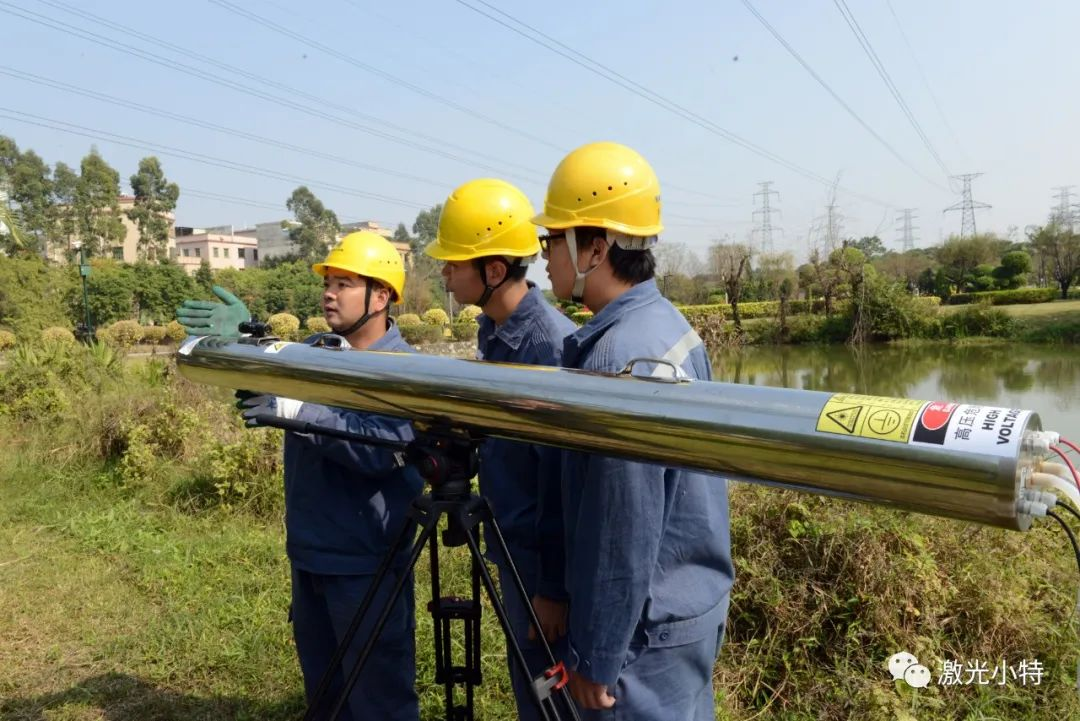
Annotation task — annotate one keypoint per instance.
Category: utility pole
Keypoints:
(967, 206)
(907, 229)
(765, 228)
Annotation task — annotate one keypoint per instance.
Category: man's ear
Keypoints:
(600, 246)
(496, 271)
(380, 297)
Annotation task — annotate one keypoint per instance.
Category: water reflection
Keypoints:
(1042, 378)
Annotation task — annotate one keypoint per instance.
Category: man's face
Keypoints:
(343, 298)
(560, 269)
(463, 280)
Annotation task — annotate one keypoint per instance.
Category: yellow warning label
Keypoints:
(877, 417)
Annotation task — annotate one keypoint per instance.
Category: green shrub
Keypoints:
(1074, 293)
(153, 334)
(464, 330)
(7, 339)
(1006, 297)
(698, 314)
(58, 335)
(175, 332)
(317, 324)
(980, 319)
(422, 334)
(125, 333)
(406, 320)
(582, 317)
(284, 325)
(469, 312)
(435, 316)
(103, 336)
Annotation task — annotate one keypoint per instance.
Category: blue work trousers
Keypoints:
(323, 607)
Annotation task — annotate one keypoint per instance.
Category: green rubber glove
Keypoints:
(206, 317)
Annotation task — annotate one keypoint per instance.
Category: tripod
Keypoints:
(448, 461)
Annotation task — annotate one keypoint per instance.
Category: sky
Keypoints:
(383, 108)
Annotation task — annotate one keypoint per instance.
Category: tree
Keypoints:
(1015, 265)
(204, 277)
(65, 182)
(159, 289)
(826, 278)
(731, 263)
(31, 189)
(870, 245)
(9, 156)
(1060, 247)
(401, 235)
(425, 228)
(97, 205)
(907, 267)
(850, 265)
(155, 198)
(778, 278)
(960, 256)
(318, 225)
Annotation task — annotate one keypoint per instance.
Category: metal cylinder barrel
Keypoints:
(964, 461)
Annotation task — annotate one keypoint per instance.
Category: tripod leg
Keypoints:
(546, 705)
(408, 530)
(427, 529)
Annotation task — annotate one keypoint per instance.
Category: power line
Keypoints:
(868, 48)
(967, 206)
(926, 81)
(400, 82)
(550, 43)
(439, 147)
(105, 136)
(821, 81)
(278, 100)
(198, 122)
(765, 230)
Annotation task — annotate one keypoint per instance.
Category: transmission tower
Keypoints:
(765, 228)
(834, 225)
(967, 206)
(907, 230)
(1066, 210)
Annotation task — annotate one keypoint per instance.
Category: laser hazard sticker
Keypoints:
(969, 427)
(876, 417)
(277, 347)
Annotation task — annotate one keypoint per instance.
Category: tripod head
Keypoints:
(446, 458)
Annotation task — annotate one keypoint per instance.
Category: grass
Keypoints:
(1029, 310)
(125, 600)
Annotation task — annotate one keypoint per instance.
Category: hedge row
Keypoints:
(1006, 297)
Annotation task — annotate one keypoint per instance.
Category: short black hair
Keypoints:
(629, 266)
(515, 271)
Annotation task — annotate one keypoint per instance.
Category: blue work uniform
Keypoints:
(648, 549)
(344, 505)
(517, 478)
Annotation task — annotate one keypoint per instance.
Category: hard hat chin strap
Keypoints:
(368, 315)
(624, 241)
(578, 293)
(489, 289)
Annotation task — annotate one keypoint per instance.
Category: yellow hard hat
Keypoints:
(482, 218)
(606, 185)
(370, 255)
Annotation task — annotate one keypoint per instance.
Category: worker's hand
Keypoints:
(588, 694)
(552, 617)
(206, 317)
(255, 409)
